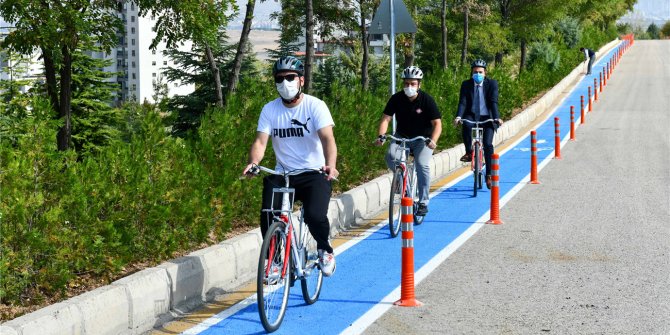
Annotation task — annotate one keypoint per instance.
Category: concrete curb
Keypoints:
(138, 303)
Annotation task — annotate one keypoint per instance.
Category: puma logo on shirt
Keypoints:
(292, 132)
(298, 123)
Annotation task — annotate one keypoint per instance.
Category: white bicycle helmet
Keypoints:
(412, 72)
(288, 63)
(478, 63)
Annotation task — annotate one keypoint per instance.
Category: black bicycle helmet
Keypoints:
(288, 63)
(478, 63)
(412, 72)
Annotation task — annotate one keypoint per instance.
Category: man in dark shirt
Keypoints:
(589, 55)
(416, 115)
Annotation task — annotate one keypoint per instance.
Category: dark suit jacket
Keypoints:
(490, 87)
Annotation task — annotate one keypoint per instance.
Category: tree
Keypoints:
(470, 8)
(653, 31)
(570, 31)
(408, 41)
(192, 67)
(195, 20)
(287, 45)
(95, 123)
(528, 20)
(365, 11)
(241, 45)
(466, 25)
(599, 13)
(11, 97)
(309, 44)
(13, 103)
(444, 31)
(57, 29)
(325, 19)
(665, 30)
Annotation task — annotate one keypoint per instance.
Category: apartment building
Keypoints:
(142, 68)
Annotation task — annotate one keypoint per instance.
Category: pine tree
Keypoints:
(96, 123)
(192, 67)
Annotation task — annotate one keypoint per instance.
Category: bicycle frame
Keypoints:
(477, 135)
(408, 168)
(477, 162)
(287, 255)
(404, 183)
(296, 239)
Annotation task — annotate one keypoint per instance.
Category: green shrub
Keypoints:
(654, 31)
(570, 31)
(544, 54)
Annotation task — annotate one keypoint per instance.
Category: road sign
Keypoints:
(381, 23)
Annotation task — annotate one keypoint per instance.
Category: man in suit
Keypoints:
(589, 55)
(479, 101)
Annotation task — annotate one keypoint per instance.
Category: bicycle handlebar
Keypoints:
(477, 122)
(400, 139)
(256, 170)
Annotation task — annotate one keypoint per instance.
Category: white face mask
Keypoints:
(288, 89)
(410, 91)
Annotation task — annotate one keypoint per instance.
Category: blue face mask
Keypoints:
(478, 77)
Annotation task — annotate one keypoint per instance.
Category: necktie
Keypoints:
(475, 102)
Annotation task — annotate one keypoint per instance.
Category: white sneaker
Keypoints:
(272, 277)
(326, 263)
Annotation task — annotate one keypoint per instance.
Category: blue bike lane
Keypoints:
(368, 269)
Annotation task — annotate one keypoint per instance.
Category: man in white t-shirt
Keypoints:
(301, 129)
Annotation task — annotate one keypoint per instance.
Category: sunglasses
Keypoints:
(288, 77)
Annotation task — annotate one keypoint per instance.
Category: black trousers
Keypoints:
(487, 140)
(313, 190)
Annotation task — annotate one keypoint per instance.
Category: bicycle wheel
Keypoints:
(272, 287)
(394, 202)
(313, 278)
(418, 219)
(476, 168)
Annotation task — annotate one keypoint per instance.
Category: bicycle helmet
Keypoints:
(478, 63)
(412, 72)
(288, 63)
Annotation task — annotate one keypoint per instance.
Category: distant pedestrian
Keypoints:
(589, 55)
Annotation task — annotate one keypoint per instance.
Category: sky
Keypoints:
(262, 12)
(647, 11)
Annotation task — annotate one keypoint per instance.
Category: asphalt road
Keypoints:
(585, 252)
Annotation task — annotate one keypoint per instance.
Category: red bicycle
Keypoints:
(477, 163)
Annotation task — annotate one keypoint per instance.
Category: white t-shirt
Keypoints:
(294, 134)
